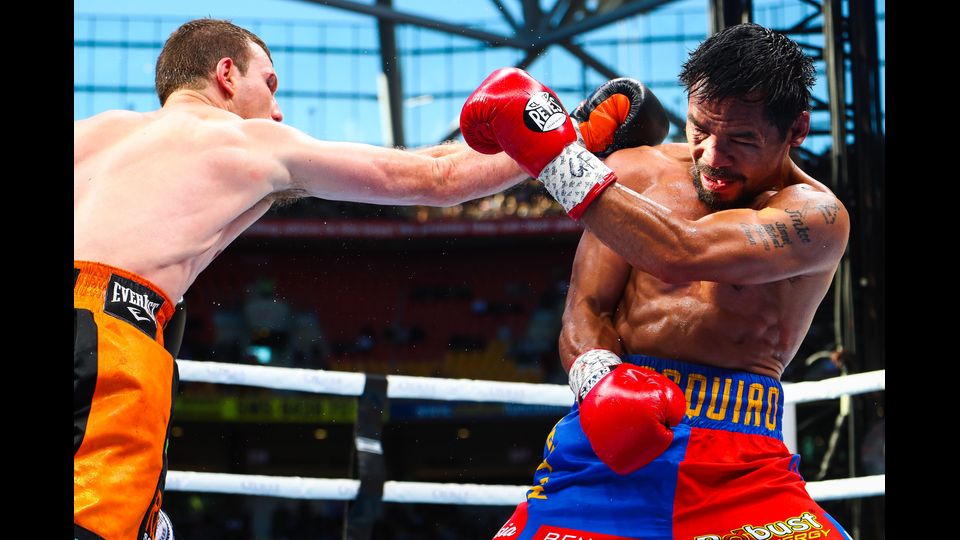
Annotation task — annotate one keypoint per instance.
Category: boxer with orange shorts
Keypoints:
(157, 196)
(124, 380)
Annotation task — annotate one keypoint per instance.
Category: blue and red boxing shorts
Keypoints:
(726, 476)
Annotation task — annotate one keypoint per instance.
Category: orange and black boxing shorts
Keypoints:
(123, 386)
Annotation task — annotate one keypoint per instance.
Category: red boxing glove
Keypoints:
(512, 112)
(627, 412)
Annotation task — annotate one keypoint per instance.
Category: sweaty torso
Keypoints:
(161, 194)
(755, 328)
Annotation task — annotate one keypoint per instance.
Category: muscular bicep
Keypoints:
(596, 287)
(793, 236)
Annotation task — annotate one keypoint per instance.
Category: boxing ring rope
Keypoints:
(351, 384)
(294, 487)
(408, 387)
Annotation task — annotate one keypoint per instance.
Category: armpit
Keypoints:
(286, 197)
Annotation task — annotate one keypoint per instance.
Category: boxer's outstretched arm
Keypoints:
(800, 231)
(439, 150)
(446, 175)
(596, 286)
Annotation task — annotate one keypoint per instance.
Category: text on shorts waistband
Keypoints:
(726, 399)
(121, 294)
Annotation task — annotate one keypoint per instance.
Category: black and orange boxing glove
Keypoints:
(621, 113)
(627, 412)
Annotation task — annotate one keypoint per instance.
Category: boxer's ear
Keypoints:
(226, 76)
(799, 130)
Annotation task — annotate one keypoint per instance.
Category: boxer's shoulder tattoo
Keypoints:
(829, 212)
(746, 232)
(797, 221)
(781, 231)
(776, 233)
(770, 235)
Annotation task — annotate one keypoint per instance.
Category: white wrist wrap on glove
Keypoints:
(576, 128)
(589, 368)
(574, 177)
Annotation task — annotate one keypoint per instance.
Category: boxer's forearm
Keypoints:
(597, 284)
(743, 246)
(439, 150)
(641, 231)
(442, 175)
(584, 329)
(463, 174)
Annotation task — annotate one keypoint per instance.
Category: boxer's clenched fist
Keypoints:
(626, 412)
(513, 112)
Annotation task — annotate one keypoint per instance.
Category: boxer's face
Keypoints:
(737, 152)
(255, 95)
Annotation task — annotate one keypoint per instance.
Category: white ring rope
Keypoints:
(407, 387)
(848, 488)
(343, 489)
(826, 389)
(291, 487)
(307, 380)
(398, 386)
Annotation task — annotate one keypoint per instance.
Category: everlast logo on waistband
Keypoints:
(134, 303)
(543, 113)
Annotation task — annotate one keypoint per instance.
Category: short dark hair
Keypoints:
(748, 61)
(192, 51)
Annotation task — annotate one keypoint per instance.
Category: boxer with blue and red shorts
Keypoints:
(726, 474)
(716, 254)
